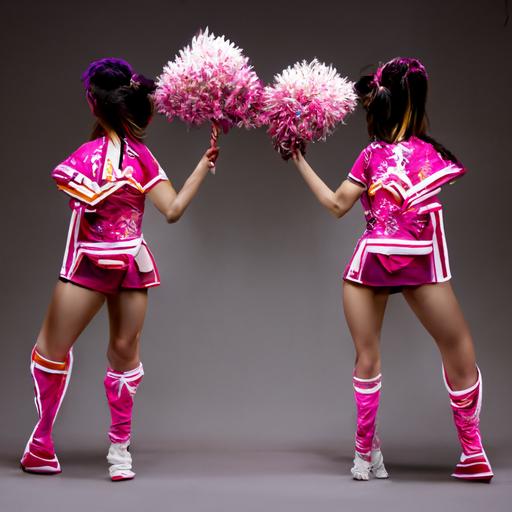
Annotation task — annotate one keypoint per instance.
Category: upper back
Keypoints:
(410, 161)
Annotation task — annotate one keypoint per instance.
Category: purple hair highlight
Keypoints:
(113, 73)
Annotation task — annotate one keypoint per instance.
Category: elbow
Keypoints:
(338, 213)
(172, 219)
(337, 210)
(173, 216)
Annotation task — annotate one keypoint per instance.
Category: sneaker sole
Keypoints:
(484, 478)
(121, 478)
(43, 470)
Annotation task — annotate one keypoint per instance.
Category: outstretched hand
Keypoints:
(211, 155)
(297, 156)
(209, 158)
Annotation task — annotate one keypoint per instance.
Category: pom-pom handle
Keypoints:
(214, 137)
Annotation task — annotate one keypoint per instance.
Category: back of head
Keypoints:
(121, 100)
(394, 98)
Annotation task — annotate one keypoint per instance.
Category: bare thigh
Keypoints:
(437, 308)
(70, 311)
(364, 311)
(127, 310)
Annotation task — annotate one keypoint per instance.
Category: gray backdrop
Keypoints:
(245, 344)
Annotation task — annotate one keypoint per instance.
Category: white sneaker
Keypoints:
(378, 468)
(362, 468)
(120, 461)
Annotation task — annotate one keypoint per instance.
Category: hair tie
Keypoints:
(377, 76)
(134, 82)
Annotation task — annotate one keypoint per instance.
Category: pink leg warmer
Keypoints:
(367, 394)
(120, 388)
(466, 405)
(51, 380)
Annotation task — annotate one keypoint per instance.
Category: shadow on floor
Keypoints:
(91, 464)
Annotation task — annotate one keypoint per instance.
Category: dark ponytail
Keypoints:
(376, 99)
(395, 99)
(121, 100)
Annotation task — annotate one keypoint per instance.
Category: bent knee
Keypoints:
(367, 364)
(124, 347)
(52, 349)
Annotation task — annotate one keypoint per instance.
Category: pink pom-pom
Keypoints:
(304, 104)
(210, 81)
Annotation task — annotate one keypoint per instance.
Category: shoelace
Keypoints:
(123, 381)
(125, 378)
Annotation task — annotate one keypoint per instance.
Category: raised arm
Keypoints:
(337, 202)
(172, 204)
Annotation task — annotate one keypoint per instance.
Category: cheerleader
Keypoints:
(397, 178)
(106, 258)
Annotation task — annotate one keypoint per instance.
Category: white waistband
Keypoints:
(108, 249)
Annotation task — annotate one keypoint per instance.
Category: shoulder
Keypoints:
(85, 152)
(370, 150)
(139, 150)
(436, 161)
(423, 148)
(89, 147)
(151, 171)
(359, 171)
(372, 154)
(365, 155)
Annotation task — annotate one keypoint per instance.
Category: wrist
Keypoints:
(300, 165)
(203, 166)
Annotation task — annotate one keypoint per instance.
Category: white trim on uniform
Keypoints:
(389, 250)
(49, 370)
(133, 242)
(437, 225)
(373, 379)
(445, 171)
(155, 180)
(368, 391)
(430, 207)
(387, 246)
(423, 197)
(444, 244)
(70, 231)
(352, 177)
(68, 377)
(113, 263)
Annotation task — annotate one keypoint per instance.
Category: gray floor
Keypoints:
(246, 482)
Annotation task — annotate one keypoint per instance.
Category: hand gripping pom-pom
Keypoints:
(304, 104)
(210, 81)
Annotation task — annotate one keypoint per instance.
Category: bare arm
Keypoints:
(173, 204)
(337, 202)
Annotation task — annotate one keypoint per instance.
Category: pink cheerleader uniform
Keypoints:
(404, 242)
(105, 249)
(106, 252)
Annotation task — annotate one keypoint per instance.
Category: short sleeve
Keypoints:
(69, 169)
(359, 172)
(436, 172)
(153, 172)
(73, 175)
(446, 171)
